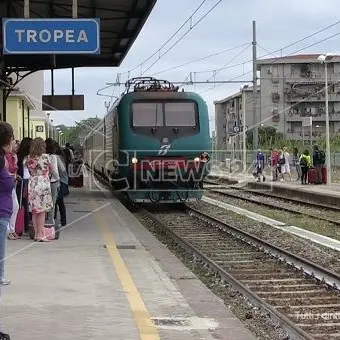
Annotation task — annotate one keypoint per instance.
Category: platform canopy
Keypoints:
(120, 24)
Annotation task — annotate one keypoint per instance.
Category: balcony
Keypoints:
(315, 97)
(275, 97)
(334, 117)
(317, 80)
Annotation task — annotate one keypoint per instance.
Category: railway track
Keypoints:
(290, 199)
(293, 291)
(322, 213)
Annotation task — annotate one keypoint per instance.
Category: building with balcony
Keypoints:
(229, 118)
(293, 88)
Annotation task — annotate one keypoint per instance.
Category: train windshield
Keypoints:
(174, 114)
(180, 114)
(147, 114)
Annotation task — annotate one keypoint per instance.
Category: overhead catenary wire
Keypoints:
(277, 58)
(169, 39)
(231, 60)
(183, 36)
(283, 48)
(202, 58)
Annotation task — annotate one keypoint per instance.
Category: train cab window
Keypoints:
(147, 114)
(180, 114)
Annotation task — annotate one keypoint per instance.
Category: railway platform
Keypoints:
(328, 194)
(108, 278)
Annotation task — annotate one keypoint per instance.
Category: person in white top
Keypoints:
(285, 168)
(23, 152)
(55, 179)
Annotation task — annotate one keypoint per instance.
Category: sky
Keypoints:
(229, 25)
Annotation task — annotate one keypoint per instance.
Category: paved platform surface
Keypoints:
(75, 288)
(333, 189)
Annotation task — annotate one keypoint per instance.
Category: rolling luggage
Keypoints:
(324, 175)
(20, 221)
(311, 176)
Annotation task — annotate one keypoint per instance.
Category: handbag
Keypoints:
(25, 190)
(49, 230)
(20, 221)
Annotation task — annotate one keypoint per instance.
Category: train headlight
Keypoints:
(134, 160)
(196, 159)
(205, 157)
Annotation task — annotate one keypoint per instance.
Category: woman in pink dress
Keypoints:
(39, 188)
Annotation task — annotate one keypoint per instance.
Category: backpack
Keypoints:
(303, 161)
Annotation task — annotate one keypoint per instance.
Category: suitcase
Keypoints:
(324, 175)
(20, 221)
(77, 182)
(311, 176)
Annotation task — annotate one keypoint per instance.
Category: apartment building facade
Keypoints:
(229, 118)
(293, 88)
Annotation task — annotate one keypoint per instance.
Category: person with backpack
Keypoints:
(305, 164)
(259, 166)
(319, 159)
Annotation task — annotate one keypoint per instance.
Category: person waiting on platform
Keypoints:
(318, 162)
(259, 166)
(296, 158)
(23, 152)
(6, 206)
(305, 164)
(63, 191)
(39, 189)
(274, 162)
(54, 178)
(284, 164)
(11, 161)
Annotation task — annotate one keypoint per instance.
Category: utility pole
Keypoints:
(244, 140)
(255, 127)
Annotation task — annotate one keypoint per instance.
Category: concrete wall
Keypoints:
(14, 117)
(33, 86)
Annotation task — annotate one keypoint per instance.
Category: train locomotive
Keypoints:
(153, 144)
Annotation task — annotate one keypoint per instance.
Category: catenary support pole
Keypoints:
(328, 147)
(255, 127)
(244, 144)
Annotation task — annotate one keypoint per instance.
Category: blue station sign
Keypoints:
(51, 36)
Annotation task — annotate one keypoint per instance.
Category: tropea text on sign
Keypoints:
(47, 36)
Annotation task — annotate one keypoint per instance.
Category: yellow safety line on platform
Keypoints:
(147, 328)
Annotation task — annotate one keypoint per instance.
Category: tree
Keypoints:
(267, 137)
(76, 134)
